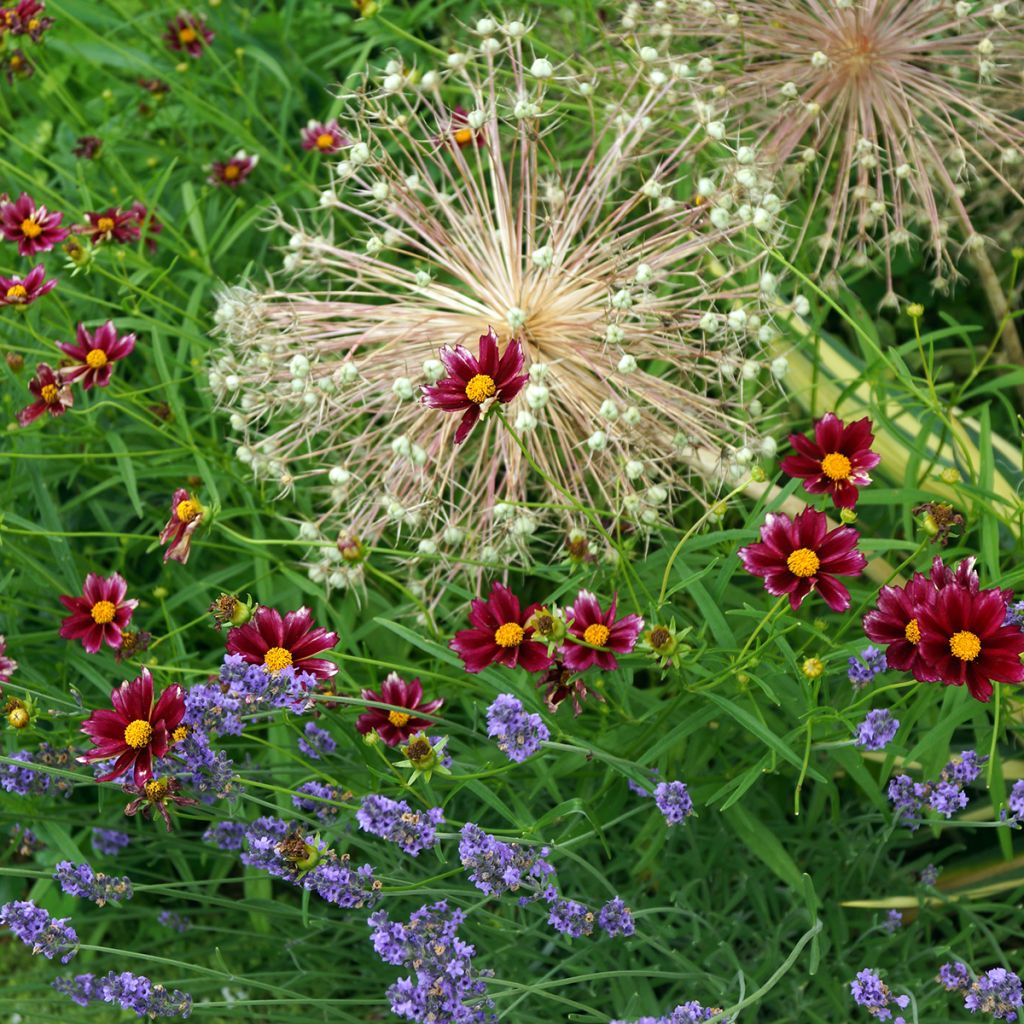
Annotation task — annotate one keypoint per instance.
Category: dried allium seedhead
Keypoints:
(895, 107)
(593, 257)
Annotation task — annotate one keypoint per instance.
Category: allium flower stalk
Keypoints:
(895, 109)
(596, 265)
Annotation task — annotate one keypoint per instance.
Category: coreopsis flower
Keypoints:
(561, 683)
(137, 729)
(234, 171)
(149, 223)
(26, 18)
(277, 643)
(837, 461)
(133, 643)
(110, 225)
(100, 614)
(156, 794)
(16, 65)
(632, 352)
(800, 555)
(500, 634)
(186, 514)
(471, 383)
(603, 634)
(965, 641)
(52, 393)
(188, 32)
(396, 726)
(8, 666)
(861, 93)
(87, 147)
(323, 136)
(23, 291)
(94, 354)
(894, 622)
(33, 227)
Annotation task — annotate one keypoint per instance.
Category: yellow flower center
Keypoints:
(17, 291)
(597, 634)
(803, 562)
(232, 171)
(30, 229)
(277, 658)
(96, 358)
(325, 140)
(156, 789)
(836, 466)
(480, 388)
(812, 667)
(48, 393)
(187, 511)
(179, 734)
(913, 632)
(463, 136)
(509, 635)
(105, 224)
(33, 24)
(138, 733)
(965, 645)
(398, 718)
(103, 612)
(187, 35)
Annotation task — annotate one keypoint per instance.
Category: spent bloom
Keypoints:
(674, 801)
(877, 730)
(36, 928)
(278, 642)
(33, 227)
(93, 355)
(496, 240)
(23, 291)
(836, 461)
(603, 634)
(518, 732)
(52, 393)
(500, 634)
(398, 724)
(395, 821)
(82, 881)
(800, 555)
(186, 515)
(100, 614)
(188, 33)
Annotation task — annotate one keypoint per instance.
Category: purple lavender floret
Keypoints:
(82, 881)
(615, 918)
(997, 992)
(673, 800)
(395, 821)
(227, 835)
(316, 742)
(1015, 615)
(27, 781)
(496, 867)
(129, 991)
(324, 811)
(954, 977)
(947, 798)
(868, 990)
(965, 768)
(686, 1013)
(36, 928)
(877, 730)
(519, 733)
(1016, 799)
(175, 921)
(571, 918)
(862, 671)
(109, 841)
(893, 922)
(929, 875)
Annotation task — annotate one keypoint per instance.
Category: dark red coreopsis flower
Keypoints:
(94, 354)
(52, 393)
(110, 225)
(323, 136)
(16, 65)
(136, 731)
(8, 666)
(395, 727)
(87, 147)
(188, 32)
(561, 683)
(25, 18)
(796, 556)
(186, 515)
(149, 224)
(894, 622)
(966, 641)
(23, 291)
(605, 634)
(276, 642)
(500, 635)
(33, 227)
(836, 461)
(234, 171)
(99, 615)
(472, 382)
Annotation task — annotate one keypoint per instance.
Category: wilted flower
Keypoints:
(95, 354)
(324, 137)
(188, 32)
(938, 519)
(33, 227)
(425, 756)
(560, 683)
(52, 392)
(156, 794)
(100, 614)
(836, 462)
(87, 147)
(133, 643)
(394, 726)
(230, 610)
(23, 291)
(186, 515)
(234, 171)
(279, 643)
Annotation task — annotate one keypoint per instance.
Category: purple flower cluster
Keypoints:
(998, 992)
(227, 835)
(173, 920)
(495, 867)
(447, 988)
(82, 881)
(641, 790)
(686, 1013)
(395, 821)
(317, 742)
(209, 772)
(673, 800)
(893, 922)
(324, 811)
(616, 918)
(863, 670)
(129, 991)
(518, 732)
(877, 730)
(929, 874)
(1016, 799)
(571, 918)
(27, 781)
(868, 990)
(36, 928)
(109, 842)
(945, 795)
(1015, 615)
